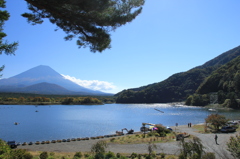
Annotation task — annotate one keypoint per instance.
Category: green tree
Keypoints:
(99, 149)
(234, 146)
(88, 20)
(216, 121)
(151, 146)
(5, 47)
(191, 149)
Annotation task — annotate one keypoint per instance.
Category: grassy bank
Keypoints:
(140, 139)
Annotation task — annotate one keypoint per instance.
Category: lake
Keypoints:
(40, 123)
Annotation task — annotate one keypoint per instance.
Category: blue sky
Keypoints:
(168, 37)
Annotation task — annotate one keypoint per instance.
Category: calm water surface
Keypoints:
(62, 122)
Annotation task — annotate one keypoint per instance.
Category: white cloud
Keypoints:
(92, 84)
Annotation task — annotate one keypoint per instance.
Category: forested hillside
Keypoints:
(178, 86)
(224, 82)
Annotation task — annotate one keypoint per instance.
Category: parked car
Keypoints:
(12, 144)
(228, 129)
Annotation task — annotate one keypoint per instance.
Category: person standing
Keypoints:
(176, 124)
(216, 137)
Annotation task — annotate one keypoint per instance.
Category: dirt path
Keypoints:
(168, 148)
(209, 143)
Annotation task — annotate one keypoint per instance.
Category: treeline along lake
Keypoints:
(53, 122)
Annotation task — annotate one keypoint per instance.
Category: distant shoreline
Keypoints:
(44, 103)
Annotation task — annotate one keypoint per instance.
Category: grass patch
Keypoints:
(202, 129)
(139, 138)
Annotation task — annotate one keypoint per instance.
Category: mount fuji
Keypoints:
(44, 80)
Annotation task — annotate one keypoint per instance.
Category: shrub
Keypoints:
(21, 153)
(181, 156)
(162, 155)
(234, 146)
(139, 156)
(152, 133)
(91, 157)
(123, 157)
(153, 154)
(109, 155)
(52, 154)
(78, 155)
(145, 155)
(118, 155)
(99, 156)
(149, 157)
(43, 155)
(162, 134)
(27, 156)
(86, 155)
(133, 155)
(161, 130)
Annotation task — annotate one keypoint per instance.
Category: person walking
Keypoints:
(216, 137)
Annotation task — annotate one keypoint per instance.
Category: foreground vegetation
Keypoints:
(191, 149)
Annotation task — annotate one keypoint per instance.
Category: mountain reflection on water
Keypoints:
(40, 123)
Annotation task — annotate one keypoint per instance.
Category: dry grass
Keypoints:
(202, 129)
(139, 139)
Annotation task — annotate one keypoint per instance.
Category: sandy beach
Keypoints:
(168, 148)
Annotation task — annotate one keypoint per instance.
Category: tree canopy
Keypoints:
(234, 146)
(216, 121)
(5, 47)
(90, 21)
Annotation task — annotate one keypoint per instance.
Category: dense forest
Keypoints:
(224, 84)
(178, 86)
(36, 99)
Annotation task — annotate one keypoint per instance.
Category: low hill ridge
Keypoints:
(177, 87)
